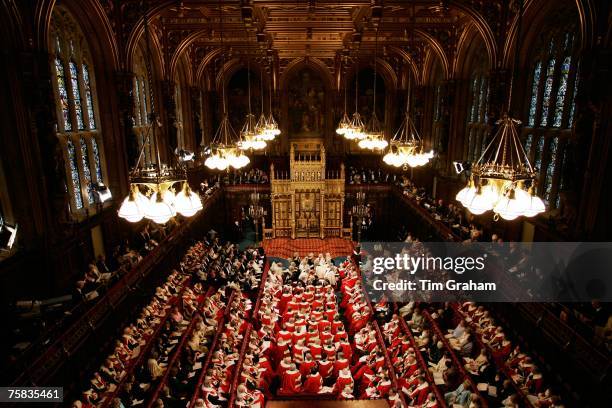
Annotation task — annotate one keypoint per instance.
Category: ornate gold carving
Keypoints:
(305, 202)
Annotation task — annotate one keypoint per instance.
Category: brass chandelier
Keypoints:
(249, 135)
(503, 180)
(406, 147)
(225, 149)
(374, 133)
(151, 192)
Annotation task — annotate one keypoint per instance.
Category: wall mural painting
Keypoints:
(306, 104)
(366, 95)
(237, 97)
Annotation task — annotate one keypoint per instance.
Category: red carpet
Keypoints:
(328, 404)
(285, 247)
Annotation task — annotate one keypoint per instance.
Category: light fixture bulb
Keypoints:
(133, 207)
(159, 211)
(187, 202)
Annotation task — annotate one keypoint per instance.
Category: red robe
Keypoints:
(325, 368)
(342, 382)
(306, 366)
(313, 384)
(384, 388)
(316, 350)
(339, 365)
(291, 382)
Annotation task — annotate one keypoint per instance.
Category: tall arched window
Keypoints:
(180, 135)
(437, 114)
(142, 109)
(477, 116)
(550, 109)
(437, 117)
(78, 123)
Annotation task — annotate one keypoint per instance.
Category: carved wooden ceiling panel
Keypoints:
(321, 29)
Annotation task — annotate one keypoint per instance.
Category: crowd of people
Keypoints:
(237, 177)
(521, 368)
(216, 386)
(226, 264)
(413, 379)
(309, 342)
(102, 271)
(117, 369)
(492, 367)
(363, 175)
(180, 321)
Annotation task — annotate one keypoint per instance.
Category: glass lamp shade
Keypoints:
(356, 131)
(344, 124)
(133, 207)
(272, 127)
(159, 211)
(535, 207)
(253, 144)
(237, 161)
(392, 159)
(211, 162)
(142, 200)
(466, 194)
(483, 200)
(512, 205)
(260, 126)
(413, 160)
(216, 162)
(365, 143)
(168, 197)
(187, 202)
(379, 144)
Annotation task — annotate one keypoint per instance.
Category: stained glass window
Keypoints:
(551, 109)
(142, 107)
(179, 115)
(144, 92)
(528, 142)
(86, 170)
(561, 177)
(548, 84)
(477, 114)
(63, 94)
(76, 94)
(88, 96)
(97, 161)
(74, 175)
(473, 114)
(76, 110)
(137, 120)
(533, 104)
(537, 163)
(560, 101)
(570, 121)
(550, 168)
(482, 98)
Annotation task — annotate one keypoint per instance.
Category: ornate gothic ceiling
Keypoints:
(415, 33)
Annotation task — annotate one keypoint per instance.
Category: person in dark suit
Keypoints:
(78, 294)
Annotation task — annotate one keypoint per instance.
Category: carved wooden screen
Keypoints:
(333, 215)
(307, 213)
(282, 215)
